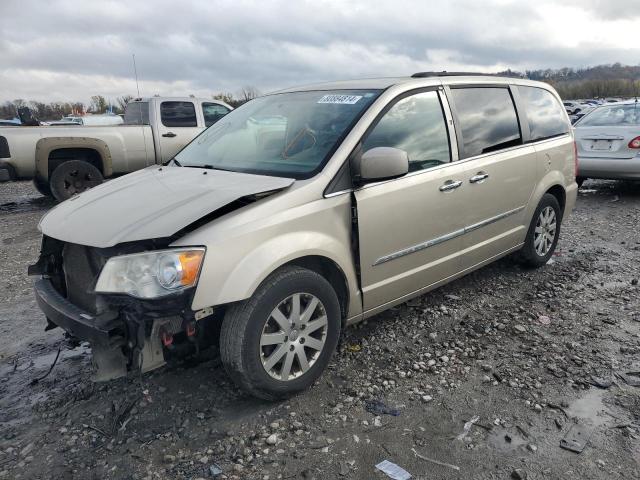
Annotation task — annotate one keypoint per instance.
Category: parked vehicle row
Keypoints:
(302, 212)
(66, 160)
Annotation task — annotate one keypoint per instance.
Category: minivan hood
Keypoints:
(152, 203)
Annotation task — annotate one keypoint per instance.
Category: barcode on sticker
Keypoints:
(343, 99)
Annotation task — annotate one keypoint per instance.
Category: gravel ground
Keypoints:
(523, 357)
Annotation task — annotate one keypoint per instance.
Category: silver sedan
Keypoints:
(608, 142)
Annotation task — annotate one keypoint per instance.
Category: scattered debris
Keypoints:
(630, 378)
(377, 407)
(393, 471)
(577, 437)
(519, 474)
(354, 348)
(600, 382)
(442, 464)
(544, 320)
(467, 427)
(215, 470)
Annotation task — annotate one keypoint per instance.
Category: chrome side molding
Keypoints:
(447, 237)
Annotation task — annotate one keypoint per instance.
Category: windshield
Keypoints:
(286, 135)
(622, 115)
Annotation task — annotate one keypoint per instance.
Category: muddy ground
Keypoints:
(535, 355)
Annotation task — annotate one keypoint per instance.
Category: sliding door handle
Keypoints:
(479, 177)
(450, 185)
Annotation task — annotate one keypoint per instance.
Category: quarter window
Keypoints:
(416, 125)
(178, 114)
(546, 117)
(213, 112)
(487, 120)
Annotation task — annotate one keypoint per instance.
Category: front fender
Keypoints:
(247, 274)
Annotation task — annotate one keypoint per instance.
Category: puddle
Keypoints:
(26, 204)
(590, 408)
(44, 362)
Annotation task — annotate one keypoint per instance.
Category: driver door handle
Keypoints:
(450, 185)
(478, 177)
(169, 135)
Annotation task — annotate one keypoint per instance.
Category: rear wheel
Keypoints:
(73, 177)
(543, 233)
(279, 341)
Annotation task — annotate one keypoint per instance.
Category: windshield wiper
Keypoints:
(208, 166)
(172, 160)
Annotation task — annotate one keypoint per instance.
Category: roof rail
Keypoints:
(444, 73)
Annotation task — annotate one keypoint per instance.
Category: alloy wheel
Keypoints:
(545, 231)
(293, 336)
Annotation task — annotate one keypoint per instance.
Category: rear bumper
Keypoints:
(99, 330)
(624, 169)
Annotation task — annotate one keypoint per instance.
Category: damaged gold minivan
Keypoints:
(302, 212)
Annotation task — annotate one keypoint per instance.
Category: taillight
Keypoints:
(634, 143)
(575, 157)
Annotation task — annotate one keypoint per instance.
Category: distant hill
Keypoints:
(614, 80)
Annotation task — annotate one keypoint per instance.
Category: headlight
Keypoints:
(151, 274)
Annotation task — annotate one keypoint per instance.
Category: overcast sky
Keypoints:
(71, 49)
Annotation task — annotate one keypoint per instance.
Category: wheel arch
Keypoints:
(560, 193)
(52, 151)
(331, 272)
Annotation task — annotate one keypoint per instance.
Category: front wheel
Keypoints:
(543, 233)
(279, 341)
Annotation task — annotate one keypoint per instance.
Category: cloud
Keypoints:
(68, 50)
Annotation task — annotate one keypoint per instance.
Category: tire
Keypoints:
(42, 186)
(533, 254)
(248, 362)
(73, 177)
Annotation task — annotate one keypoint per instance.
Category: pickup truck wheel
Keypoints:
(73, 177)
(42, 186)
(543, 233)
(279, 341)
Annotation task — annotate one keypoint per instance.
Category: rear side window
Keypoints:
(545, 114)
(213, 112)
(136, 113)
(178, 114)
(416, 125)
(487, 120)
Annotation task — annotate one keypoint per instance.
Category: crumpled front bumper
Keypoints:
(105, 329)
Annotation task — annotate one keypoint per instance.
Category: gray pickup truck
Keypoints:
(65, 160)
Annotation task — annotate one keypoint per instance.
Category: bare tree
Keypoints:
(122, 102)
(248, 93)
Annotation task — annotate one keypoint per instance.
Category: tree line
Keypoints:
(601, 81)
(101, 105)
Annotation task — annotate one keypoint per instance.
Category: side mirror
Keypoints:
(382, 163)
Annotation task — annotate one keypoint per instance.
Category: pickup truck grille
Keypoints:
(4, 148)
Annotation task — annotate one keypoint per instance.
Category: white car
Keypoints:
(608, 142)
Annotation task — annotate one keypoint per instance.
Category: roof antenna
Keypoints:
(135, 71)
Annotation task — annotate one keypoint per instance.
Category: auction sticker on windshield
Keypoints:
(344, 99)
